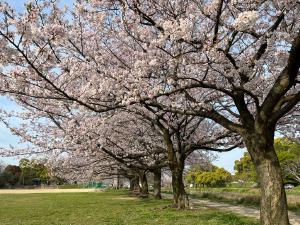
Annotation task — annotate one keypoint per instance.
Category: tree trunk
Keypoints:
(157, 183)
(118, 182)
(144, 184)
(180, 197)
(131, 184)
(273, 198)
(176, 160)
(134, 183)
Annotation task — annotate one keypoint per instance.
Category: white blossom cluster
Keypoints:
(246, 20)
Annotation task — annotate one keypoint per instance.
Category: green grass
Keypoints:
(108, 208)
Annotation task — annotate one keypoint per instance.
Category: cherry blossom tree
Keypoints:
(88, 141)
(83, 168)
(135, 144)
(182, 136)
(141, 139)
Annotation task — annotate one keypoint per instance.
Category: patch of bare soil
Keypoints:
(34, 191)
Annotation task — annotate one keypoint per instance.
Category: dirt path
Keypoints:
(33, 191)
(238, 209)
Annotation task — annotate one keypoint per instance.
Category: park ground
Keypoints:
(213, 206)
(109, 208)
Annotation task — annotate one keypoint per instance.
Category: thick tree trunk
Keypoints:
(157, 183)
(273, 198)
(176, 160)
(144, 184)
(180, 197)
(134, 183)
(118, 182)
(131, 184)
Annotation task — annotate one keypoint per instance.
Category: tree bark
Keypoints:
(131, 184)
(157, 183)
(273, 198)
(176, 160)
(180, 197)
(134, 183)
(144, 184)
(118, 182)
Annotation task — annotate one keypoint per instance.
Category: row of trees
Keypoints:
(28, 172)
(136, 86)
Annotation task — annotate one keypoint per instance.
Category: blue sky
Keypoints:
(6, 137)
(19, 4)
(225, 160)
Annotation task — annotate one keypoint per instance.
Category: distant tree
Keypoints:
(12, 173)
(195, 169)
(288, 152)
(216, 177)
(24, 163)
(41, 172)
(3, 179)
(32, 169)
(244, 169)
(26, 176)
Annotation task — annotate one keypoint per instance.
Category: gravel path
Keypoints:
(238, 209)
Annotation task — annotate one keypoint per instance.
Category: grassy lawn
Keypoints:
(107, 208)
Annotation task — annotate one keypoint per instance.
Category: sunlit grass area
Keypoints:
(109, 208)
